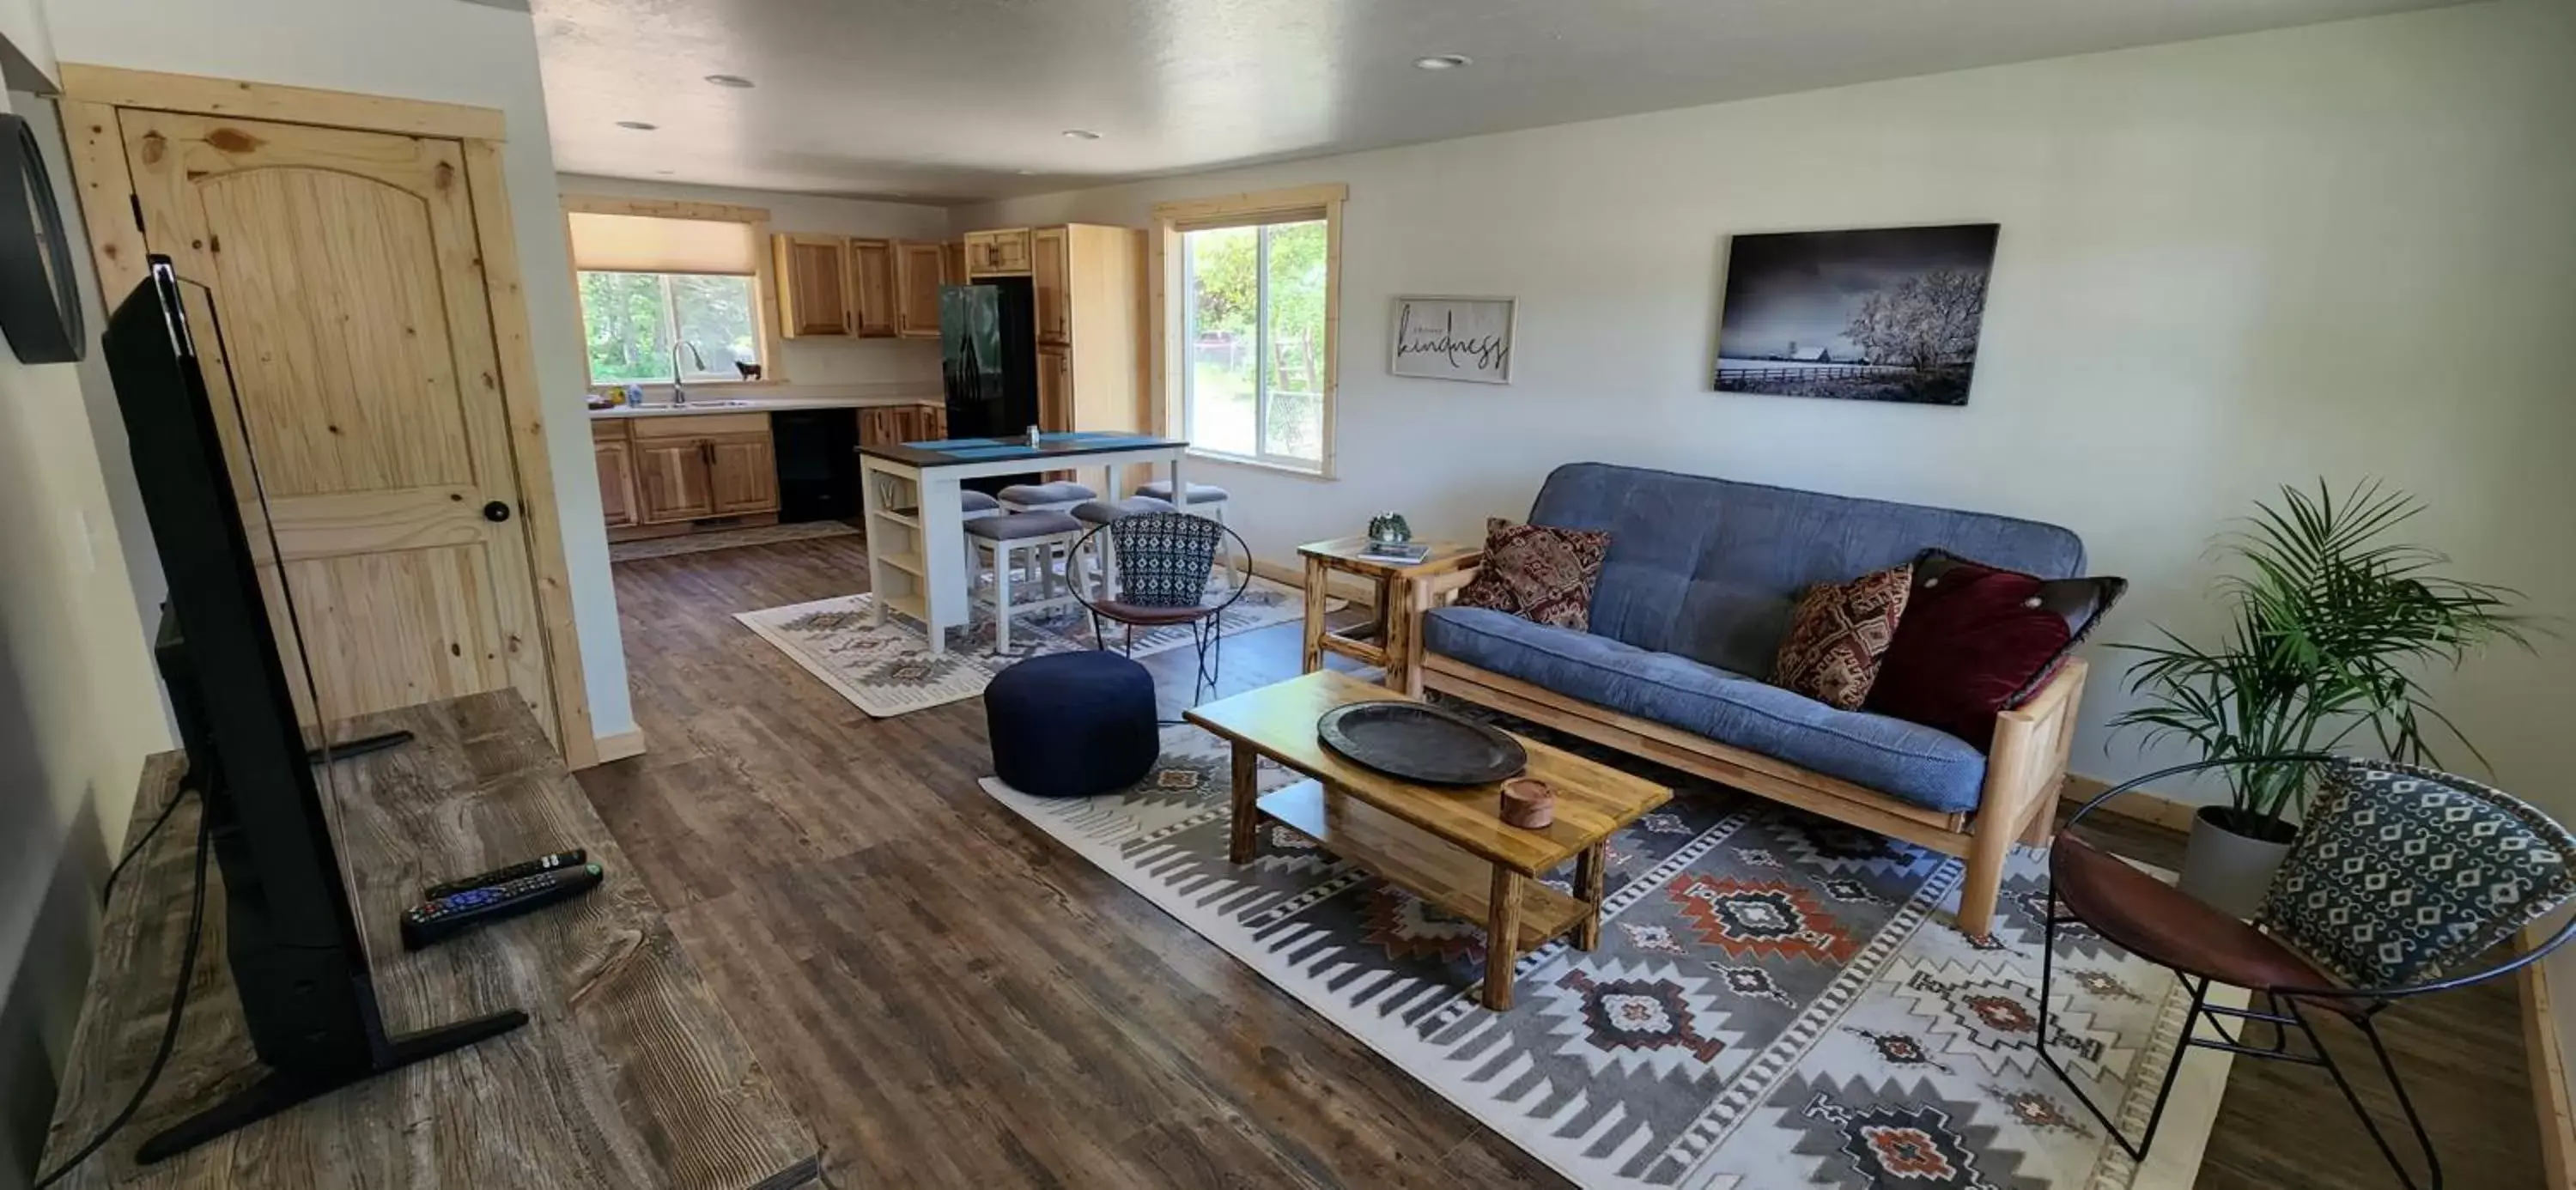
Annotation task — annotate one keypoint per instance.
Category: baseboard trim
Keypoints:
(621, 745)
(2547, 1064)
(2143, 805)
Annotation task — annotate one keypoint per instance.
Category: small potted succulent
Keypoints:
(2331, 626)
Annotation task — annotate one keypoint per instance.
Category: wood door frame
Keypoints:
(92, 96)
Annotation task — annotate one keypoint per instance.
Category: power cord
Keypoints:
(108, 888)
(170, 1026)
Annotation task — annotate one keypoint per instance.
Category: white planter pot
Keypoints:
(2227, 869)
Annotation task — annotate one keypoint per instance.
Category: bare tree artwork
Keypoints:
(1883, 315)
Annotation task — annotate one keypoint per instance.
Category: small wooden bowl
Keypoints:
(1528, 803)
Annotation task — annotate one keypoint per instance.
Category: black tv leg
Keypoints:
(358, 747)
(277, 1092)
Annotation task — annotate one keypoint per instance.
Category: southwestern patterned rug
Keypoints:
(888, 670)
(1777, 1000)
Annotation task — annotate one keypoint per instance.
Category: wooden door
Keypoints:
(872, 279)
(671, 481)
(742, 474)
(814, 298)
(349, 300)
(919, 270)
(1047, 273)
(1055, 391)
(616, 481)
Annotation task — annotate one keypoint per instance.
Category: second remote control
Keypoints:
(543, 863)
(443, 918)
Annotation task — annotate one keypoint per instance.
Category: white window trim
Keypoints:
(764, 281)
(1170, 326)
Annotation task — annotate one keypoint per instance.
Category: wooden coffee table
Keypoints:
(1446, 844)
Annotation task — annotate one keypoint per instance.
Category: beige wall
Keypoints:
(820, 367)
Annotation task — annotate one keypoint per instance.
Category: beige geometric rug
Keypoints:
(889, 670)
(1778, 1000)
(726, 539)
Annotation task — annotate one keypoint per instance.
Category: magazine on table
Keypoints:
(1403, 552)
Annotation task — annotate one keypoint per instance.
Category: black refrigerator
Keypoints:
(988, 346)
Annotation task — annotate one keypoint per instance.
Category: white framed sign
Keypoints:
(1454, 338)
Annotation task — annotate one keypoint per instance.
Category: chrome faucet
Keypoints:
(679, 391)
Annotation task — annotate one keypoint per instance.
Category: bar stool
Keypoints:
(1022, 540)
(1103, 551)
(1060, 496)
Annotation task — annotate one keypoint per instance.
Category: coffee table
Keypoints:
(1446, 844)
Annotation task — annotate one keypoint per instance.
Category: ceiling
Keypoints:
(956, 100)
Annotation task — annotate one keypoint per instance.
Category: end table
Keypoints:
(1388, 641)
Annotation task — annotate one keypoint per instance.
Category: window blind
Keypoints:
(649, 244)
(1251, 218)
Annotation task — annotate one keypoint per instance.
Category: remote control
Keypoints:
(543, 863)
(445, 917)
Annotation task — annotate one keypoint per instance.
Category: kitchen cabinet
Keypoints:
(742, 473)
(672, 480)
(919, 270)
(954, 252)
(1047, 266)
(997, 253)
(872, 283)
(694, 466)
(883, 424)
(1055, 390)
(616, 458)
(815, 298)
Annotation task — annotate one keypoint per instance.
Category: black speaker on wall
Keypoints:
(39, 301)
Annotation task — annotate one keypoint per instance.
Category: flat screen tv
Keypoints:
(298, 958)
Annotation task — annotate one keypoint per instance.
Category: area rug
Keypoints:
(1778, 1000)
(726, 539)
(888, 669)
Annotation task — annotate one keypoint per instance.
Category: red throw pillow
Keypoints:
(1540, 573)
(1977, 639)
(1839, 633)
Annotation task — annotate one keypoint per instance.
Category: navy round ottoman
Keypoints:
(1072, 724)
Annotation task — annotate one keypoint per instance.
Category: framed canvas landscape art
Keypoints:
(1890, 314)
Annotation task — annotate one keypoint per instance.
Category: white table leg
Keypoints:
(1002, 563)
(870, 504)
(944, 597)
(1180, 489)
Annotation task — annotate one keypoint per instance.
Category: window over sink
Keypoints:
(670, 284)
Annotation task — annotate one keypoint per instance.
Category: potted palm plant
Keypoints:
(2331, 627)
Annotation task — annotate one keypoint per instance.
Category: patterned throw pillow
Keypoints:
(1838, 633)
(2402, 873)
(1540, 573)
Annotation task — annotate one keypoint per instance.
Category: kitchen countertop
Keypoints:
(718, 404)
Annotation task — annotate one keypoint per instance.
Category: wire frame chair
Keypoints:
(1166, 576)
(2330, 936)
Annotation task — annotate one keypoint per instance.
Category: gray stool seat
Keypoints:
(1101, 512)
(968, 502)
(1019, 525)
(1060, 492)
(1200, 493)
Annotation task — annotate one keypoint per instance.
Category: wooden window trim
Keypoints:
(764, 281)
(1165, 329)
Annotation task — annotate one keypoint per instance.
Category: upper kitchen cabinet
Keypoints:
(815, 299)
(919, 270)
(872, 280)
(1002, 253)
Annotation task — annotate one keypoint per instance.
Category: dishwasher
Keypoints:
(818, 464)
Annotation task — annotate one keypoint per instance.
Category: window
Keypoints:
(1248, 351)
(683, 280)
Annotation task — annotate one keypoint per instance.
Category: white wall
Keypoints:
(820, 367)
(2227, 265)
(416, 49)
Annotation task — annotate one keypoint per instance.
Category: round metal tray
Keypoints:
(1421, 743)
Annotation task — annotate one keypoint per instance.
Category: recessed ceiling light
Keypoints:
(1442, 61)
(637, 125)
(1027, 173)
(666, 172)
(1080, 134)
(729, 80)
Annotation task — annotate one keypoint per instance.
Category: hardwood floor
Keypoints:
(951, 999)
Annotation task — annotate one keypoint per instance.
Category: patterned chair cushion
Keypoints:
(1838, 632)
(1540, 573)
(2402, 873)
(1165, 558)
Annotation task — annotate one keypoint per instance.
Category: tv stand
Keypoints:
(622, 1070)
(277, 1092)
